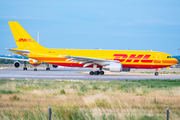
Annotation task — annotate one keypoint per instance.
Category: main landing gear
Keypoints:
(48, 68)
(94, 72)
(24, 68)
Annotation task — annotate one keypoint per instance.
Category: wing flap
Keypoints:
(88, 61)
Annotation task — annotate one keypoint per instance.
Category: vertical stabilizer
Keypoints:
(22, 38)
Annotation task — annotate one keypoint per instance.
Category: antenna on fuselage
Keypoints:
(38, 38)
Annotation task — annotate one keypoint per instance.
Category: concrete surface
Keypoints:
(72, 73)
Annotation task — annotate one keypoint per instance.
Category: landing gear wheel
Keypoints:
(101, 73)
(24, 68)
(35, 69)
(156, 73)
(91, 73)
(47, 69)
(96, 73)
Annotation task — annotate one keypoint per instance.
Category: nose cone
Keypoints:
(176, 61)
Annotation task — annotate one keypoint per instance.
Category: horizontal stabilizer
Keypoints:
(27, 60)
(25, 52)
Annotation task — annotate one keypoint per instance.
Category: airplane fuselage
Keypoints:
(128, 58)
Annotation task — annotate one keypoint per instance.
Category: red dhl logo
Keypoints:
(24, 40)
(132, 58)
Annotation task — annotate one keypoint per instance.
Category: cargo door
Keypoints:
(158, 58)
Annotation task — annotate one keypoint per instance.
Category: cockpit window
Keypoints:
(169, 56)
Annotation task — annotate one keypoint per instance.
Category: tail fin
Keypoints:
(22, 38)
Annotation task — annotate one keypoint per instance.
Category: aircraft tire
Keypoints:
(47, 69)
(96, 73)
(24, 68)
(156, 74)
(101, 73)
(91, 73)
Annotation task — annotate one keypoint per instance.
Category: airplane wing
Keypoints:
(27, 60)
(88, 61)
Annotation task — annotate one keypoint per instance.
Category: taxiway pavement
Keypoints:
(72, 73)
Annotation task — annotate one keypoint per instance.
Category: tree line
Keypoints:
(6, 61)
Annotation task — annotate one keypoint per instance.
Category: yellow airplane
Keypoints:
(112, 60)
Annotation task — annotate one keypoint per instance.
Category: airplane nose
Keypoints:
(176, 61)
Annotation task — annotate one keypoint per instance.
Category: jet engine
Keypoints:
(16, 64)
(113, 67)
(55, 66)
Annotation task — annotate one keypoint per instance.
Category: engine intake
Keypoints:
(113, 67)
(16, 64)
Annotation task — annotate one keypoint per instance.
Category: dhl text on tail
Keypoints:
(112, 60)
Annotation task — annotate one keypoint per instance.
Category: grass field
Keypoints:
(126, 100)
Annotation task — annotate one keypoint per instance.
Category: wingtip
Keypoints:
(7, 49)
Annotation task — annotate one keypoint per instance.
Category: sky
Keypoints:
(95, 24)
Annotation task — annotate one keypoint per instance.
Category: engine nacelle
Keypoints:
(16, 64)
(55, 66)
(113, 67)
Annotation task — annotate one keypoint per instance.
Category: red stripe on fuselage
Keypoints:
(124, 65)
(169, 61)
(73, 65)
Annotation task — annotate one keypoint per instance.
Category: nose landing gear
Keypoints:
(156, 73)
